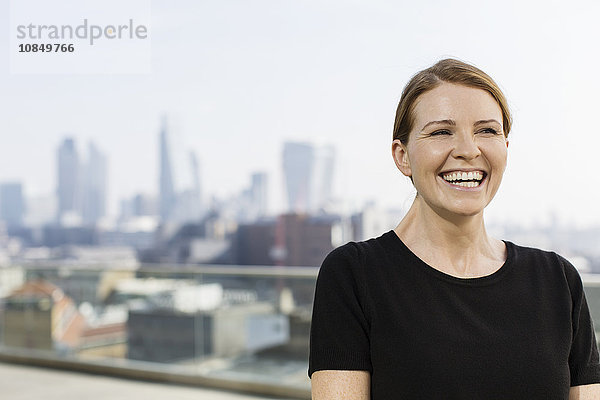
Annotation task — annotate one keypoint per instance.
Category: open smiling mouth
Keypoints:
(464, 179)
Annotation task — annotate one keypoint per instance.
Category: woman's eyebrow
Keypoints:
(486, 121)
(440, 122)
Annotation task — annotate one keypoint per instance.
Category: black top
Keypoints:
(523, 332)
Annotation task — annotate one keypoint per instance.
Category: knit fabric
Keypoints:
(523, 332)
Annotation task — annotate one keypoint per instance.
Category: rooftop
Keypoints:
(21, 382)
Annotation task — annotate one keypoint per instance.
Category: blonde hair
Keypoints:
(451, 71)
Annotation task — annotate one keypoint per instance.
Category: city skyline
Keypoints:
(139, 199)
(80, 193)
(240, 81)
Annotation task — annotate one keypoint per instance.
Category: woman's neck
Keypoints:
(457, 245)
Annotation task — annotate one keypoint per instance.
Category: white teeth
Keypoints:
(464, 179)
(466, 184)
(464, 176)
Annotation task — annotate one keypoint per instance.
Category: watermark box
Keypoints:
(80, 37)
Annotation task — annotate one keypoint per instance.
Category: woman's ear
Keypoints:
(400, 155)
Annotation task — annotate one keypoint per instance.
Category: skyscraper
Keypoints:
(259, 194)
(188, 205)
(69, 182)
(167, 196)
(12, 205)
(321, 178)
(308, 171)
(297, 168)
(94, 186)
(191, 198)
(195, 167)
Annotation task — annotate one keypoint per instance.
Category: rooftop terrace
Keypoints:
(21, 382)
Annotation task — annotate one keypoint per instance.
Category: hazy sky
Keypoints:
(238, 78)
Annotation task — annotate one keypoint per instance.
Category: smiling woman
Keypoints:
(456, 133)
(437, 308)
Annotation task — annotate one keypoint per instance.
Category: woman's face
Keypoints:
(456, 152)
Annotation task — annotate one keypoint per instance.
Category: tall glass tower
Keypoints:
(167, 196)
(69, 181)
(308, 171)
(12, 204)
(94, 183)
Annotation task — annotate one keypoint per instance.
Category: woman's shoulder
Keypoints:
(356, 252)
(535, 254)
(356, 258)
(545, 261)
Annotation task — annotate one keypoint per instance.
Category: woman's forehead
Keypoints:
(455, 102)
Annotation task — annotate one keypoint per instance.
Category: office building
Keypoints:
(172, 335)
(94, 185)
(69, 184)
(308, 171)
(38, 315)
(12, 204)
(291, 240)
(259, 194)
(167, 196)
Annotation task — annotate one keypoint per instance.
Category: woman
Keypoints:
(436, 308)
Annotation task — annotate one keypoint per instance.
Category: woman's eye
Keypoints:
(440, 132)
(489, 130)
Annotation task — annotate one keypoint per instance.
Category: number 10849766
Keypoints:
(46, 48)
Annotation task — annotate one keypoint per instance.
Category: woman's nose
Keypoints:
(465, 147)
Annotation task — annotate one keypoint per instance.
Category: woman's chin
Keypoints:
(462, 211)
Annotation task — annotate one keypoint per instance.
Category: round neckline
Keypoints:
(475, 281)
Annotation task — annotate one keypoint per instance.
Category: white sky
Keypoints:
(238, 78)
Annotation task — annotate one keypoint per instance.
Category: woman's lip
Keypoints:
(464, 188)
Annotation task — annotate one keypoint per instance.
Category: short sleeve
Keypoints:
(584, 364)
(339, 333)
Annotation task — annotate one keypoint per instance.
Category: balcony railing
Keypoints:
(230, 327)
